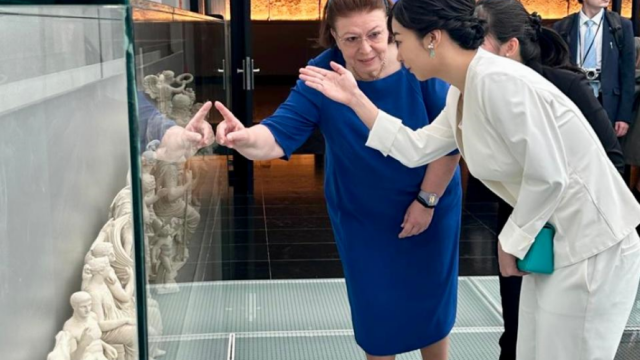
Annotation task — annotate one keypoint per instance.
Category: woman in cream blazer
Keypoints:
(531, 145)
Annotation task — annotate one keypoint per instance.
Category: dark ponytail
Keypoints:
(539, 45)
(453, 16)
(554, 51)
(535, 21)
(508, 19)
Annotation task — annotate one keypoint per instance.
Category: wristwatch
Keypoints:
(428, 200)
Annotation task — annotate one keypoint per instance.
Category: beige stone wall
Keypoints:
(312, 9)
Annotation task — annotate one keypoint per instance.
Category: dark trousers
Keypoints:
(510, 296)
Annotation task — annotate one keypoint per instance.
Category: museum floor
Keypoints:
(309, 320)
(264, 280)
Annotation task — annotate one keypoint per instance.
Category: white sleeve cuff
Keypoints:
(515, 241)
(384, 132)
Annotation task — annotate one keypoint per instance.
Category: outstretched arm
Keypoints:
(254, 143)
(388, 134)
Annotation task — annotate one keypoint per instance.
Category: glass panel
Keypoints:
(66, 264)
(181, 62)
(70, 41)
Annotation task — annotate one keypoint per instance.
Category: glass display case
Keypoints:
(67, 203)
(182, 61)
(103, 203)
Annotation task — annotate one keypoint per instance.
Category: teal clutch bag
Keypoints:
(539, 259)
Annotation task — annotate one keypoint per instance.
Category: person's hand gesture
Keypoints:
(179, 144)
(338, 85)
(199, 125)
(231, 132)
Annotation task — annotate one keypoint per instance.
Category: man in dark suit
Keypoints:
(601, 43)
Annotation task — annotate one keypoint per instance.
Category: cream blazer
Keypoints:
(529, 144)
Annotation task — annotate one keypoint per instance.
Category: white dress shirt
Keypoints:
(529, 144)
(597, 47)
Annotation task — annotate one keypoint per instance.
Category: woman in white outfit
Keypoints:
(531, 145)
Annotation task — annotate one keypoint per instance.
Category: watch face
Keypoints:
(432, 199)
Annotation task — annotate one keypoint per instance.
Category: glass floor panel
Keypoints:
(310, 320)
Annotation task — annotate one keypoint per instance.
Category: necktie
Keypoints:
(590, 57)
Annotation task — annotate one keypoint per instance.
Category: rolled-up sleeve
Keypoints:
(412, 148)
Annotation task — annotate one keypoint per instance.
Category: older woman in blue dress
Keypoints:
(396, 228)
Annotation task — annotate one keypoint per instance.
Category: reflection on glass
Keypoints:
(69, 43)
(180, 66)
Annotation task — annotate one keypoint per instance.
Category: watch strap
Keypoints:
(428, 200)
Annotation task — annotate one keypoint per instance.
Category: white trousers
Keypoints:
(580, 311)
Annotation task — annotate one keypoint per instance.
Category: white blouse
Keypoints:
(529, 144)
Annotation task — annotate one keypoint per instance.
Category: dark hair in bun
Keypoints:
(456, 17)
(508, 19)
(535, 21)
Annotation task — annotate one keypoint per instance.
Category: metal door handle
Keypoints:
(248, 78)
(252, 81)
(244, 75)
(223, 71)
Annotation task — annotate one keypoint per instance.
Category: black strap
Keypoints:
(584, 57)
(615, 27)
(565, 26)
(424, 203)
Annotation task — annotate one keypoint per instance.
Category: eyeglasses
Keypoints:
(354, 42)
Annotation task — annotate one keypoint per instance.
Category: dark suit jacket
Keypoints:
(576, 87)
(618, 69)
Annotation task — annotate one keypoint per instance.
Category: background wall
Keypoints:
(284, 31)
(312, 9)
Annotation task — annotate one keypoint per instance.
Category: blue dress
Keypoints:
(402, 292)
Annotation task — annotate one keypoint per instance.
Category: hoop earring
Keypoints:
(432, 51)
